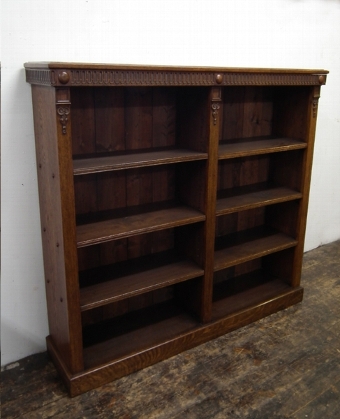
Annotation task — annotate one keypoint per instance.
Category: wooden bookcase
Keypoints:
(173, 206)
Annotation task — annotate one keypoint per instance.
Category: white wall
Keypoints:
(265, 33)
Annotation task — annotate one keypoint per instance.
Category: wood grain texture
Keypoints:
(215, 121)
(56, 206)
(128, 161)
(184, 338)
(124, 287)
(246, 147)
(62, 65)
(246, 246)
(89, 234)
(259, 198)
(306, 171)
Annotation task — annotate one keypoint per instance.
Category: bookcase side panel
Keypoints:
(60, 277)
(311, 119)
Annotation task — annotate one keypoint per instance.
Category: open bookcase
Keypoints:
(173, 206)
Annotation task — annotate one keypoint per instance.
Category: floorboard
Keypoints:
(284, 366)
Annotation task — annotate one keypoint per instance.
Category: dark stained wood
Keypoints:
(128, 161)
(117, 289)
(142, 355)
(55, 188)
(76, 65)
(83, 118)
(228, 301)
(250, 245)
(193, 120)
(286, 168)
(164, 117)
(284, 217)
(246, 199)
(311, 104)
(89, 234)
(246, 147)
(138, 118)
(215, 121)
(234, 173)
(257, 112)
(109, 119)
(173, 206)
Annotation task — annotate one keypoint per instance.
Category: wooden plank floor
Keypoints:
(284, 366)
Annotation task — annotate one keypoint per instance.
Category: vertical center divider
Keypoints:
(215, 112)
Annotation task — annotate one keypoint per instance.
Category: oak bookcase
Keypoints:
(173, 206)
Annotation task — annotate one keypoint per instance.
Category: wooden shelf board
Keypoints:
(164, 323)
(103, 231)
(257, 246)
(258, 145)
(110, 360)
(255, 199)
(134, 160)
(138, 283)
(253, 296)
(168, 322)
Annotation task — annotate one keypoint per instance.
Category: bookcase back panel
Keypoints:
(240, 221)
(122, 193)
(113, 120)
(282, 217)
(124, 190)
(291, 109)
(124, 307)
(246, 174)
(124, 119)
(247, 112)
(234, 173)
(126, 249)
(265, 111)
(287, 169)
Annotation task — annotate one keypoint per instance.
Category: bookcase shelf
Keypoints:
(173, 206)
(102, 231)
(244, 246)
(253, 146)
(134, 160)
(104, 293)
(255, 196)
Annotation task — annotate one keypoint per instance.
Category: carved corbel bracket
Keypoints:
(215, 103)
(215, 108)
(63, 111)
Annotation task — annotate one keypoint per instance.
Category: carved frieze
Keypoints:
(270, 79)
(110, 77)
(140, 78)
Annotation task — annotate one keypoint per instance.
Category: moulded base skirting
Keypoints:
(102, 374)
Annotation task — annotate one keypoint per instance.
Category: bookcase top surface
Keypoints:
(102, 66)
(91, 74)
